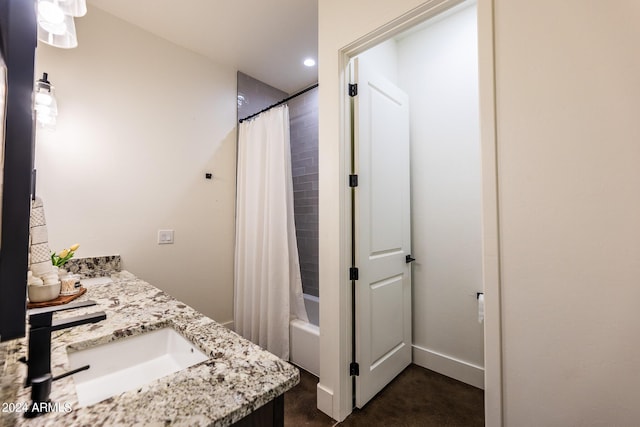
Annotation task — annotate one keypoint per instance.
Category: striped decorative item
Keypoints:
(39, 251)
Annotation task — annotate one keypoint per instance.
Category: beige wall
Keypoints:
(568, 102)
(140, 122)
(568, 151)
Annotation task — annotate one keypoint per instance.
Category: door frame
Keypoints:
(490, 219)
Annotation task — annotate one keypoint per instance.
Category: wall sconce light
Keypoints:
(45, 103)
(55, 21)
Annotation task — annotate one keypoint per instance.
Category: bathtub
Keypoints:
(304, 338)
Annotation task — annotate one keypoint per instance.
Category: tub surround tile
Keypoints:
(303, 111)
(238, 377)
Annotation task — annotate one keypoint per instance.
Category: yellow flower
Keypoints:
(75, 247)
(63, 253)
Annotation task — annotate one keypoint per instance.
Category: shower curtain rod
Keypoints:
(280, 103)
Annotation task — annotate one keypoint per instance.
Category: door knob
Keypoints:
(409, 259)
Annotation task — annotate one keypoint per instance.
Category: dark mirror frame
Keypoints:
(17, 46)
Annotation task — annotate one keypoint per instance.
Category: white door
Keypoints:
(382, 232)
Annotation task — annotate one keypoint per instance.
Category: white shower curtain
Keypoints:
(268, 287)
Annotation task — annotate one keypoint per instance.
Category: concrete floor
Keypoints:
(417, 397)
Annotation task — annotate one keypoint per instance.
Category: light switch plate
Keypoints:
(165, 237)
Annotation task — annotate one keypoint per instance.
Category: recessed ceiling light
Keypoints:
(309, 62)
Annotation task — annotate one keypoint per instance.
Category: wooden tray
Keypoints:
(62, 299)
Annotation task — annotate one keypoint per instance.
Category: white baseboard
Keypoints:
(449, 366)
(229, 325)
(325, 399)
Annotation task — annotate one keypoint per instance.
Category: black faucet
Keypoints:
(39, 363)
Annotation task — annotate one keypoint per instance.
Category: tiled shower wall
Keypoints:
(303, 116)
(253, 95)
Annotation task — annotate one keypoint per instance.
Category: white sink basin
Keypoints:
(129, 363)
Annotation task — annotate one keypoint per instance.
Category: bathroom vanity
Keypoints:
(236, 383)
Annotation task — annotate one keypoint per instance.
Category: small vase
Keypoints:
(62, 272)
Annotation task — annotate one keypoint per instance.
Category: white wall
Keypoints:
(568, 102)
(438, 68)
(140, 122)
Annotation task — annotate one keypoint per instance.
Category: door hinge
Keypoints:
(353, 273)
(353, 180)
(354, 369)
(353, 89)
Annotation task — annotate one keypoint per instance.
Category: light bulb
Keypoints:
(75, 8)
(46, 121)
(43, 98)
(50, 13)
(43, 110)
(59, 35)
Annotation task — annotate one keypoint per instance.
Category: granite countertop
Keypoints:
(238, 377)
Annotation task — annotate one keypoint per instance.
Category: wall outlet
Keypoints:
(165, 237)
